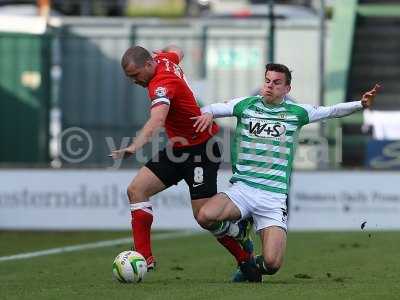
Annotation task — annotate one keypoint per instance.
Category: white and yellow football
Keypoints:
(129, 267)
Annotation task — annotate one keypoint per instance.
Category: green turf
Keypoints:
(12, 242)
(323, 265)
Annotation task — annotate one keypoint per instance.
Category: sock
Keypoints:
(142, 218)
(222, 228)
(234, 248)
(225, 231)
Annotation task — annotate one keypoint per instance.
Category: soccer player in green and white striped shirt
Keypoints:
(262, 158)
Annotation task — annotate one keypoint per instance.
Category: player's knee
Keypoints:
(204, 218)
(272, 265)
(134, 194)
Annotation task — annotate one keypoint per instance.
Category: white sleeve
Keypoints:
(224, 109)
(335, 111)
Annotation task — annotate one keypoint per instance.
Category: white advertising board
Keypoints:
(83, 199)
(96, 199)
(344, 200)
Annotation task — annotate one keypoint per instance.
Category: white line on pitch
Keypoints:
(100, 244)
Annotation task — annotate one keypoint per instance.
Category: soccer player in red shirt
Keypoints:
(173, 106)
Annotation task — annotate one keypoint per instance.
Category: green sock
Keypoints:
(219, 228)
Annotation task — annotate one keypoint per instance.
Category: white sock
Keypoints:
(233, 230)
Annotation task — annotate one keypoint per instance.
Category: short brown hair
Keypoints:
(137, 55)
(281, 69)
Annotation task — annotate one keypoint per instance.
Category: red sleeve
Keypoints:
(172, 56)
(161, 92)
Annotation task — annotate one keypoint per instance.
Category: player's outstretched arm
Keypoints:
(342, 109)
(209, 112)
(157, 119)
(215, 110)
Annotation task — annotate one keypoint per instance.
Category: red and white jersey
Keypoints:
(169, 87)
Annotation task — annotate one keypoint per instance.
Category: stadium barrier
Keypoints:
(96, 199)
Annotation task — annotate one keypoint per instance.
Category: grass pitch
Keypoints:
(318, 265)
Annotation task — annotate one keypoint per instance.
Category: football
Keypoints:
(129, 267)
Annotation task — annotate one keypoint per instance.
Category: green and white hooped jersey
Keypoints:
(263, 147)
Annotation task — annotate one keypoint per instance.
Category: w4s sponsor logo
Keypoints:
(265, 129)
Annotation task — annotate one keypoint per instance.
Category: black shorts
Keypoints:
(197, 165)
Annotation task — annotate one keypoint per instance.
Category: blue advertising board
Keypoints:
(383, 154)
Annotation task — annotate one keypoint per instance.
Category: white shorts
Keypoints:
(267, 208)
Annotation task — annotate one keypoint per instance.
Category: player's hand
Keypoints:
(203, 122)
(122, 153)
(368, 98)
